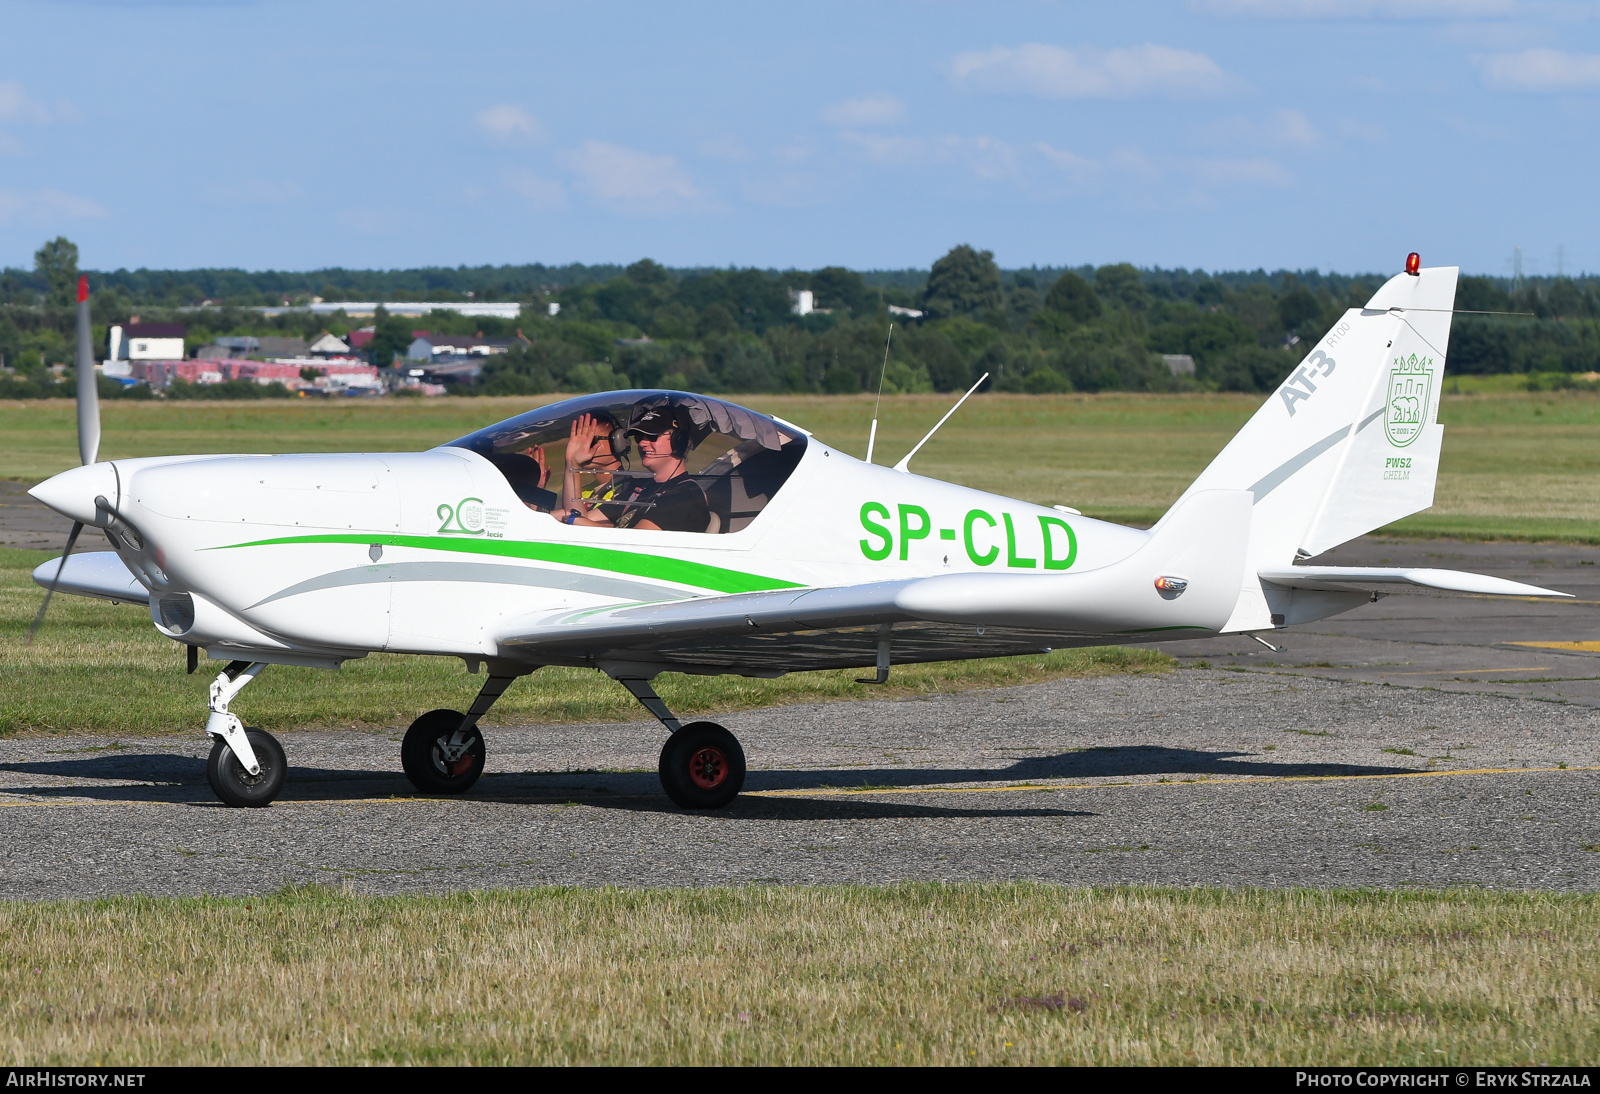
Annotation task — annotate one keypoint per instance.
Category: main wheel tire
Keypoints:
(428, 748)
(702, 766)
(236, 786)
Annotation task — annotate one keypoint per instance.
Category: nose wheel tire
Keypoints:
(236, 786)
(438, 757)
(702, 766)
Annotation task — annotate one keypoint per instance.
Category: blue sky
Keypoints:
(1222, 134)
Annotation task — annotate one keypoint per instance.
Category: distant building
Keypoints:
(361, 339)
(905, 313)
(327, 345)
(274, 346)
(1181, 364)
(439, 348)
(362, 309)
(334, 376)
(805, 301)
(146, 341)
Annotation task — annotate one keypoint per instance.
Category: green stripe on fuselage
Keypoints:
(676, 570)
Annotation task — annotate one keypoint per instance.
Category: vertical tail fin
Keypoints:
(1350, 441)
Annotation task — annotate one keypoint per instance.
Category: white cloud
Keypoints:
(1236, 172)
(794, 152)
(725, 148)
(1357, 9)
(541, 193)
(45, 205)
(871, 110)
(890, 151)
(1354, 129)
(789, 191)
(235, 190)
(628, 176)
(1541, 70)
(17, 106)
(986, 157)
(507, 122)
(1079, 170)
(1287, 128)
(1052, 72)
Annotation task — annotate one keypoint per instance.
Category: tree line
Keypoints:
(736, 330)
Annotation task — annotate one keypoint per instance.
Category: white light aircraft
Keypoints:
(738, 543)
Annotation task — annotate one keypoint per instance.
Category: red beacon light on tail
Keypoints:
(1414, 264)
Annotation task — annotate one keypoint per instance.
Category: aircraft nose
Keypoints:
(72, 493)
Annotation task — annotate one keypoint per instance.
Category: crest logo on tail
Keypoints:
(1410, 388)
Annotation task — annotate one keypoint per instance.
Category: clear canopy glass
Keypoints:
(737, 457)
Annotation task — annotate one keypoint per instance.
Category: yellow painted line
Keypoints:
(1586, 647)
(1174, 783)
(1450, 672)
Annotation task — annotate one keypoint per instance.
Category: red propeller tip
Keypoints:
(83, 288)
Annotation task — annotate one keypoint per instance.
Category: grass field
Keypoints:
(909, 974)
(1517, 464)
(98, 667)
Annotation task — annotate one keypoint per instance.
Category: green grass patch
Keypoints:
(99, 667)
(906, 974)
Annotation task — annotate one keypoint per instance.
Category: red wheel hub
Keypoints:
(708, 767)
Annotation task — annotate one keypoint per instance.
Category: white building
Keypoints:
(805, 302)
(328, 346)
(147, 342)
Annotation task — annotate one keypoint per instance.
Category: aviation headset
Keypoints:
(617, 438)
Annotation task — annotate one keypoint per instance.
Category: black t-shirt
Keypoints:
(677, 505)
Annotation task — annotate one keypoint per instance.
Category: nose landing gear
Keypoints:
(247, 766)
(238, 787)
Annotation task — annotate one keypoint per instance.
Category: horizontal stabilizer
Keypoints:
(1456, 581)
(99, 574)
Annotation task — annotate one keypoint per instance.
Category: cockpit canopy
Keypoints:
(737, 457)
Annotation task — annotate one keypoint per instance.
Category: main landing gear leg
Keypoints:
(247, 765)
(702, 764)
(443, 751)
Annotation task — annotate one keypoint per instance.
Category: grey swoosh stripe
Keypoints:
(487, 573)
(1280, 474)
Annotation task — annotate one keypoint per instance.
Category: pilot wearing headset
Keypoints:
(669, 501)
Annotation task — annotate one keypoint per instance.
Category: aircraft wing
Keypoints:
(95, 573)
(1340, 578)
(937, 618)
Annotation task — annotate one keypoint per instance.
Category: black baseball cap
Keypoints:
(651, 419)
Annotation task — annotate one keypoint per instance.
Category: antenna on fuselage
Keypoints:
(904, 465)
(872, 434)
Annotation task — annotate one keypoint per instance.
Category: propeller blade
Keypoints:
(72, 539)
(88, 383)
